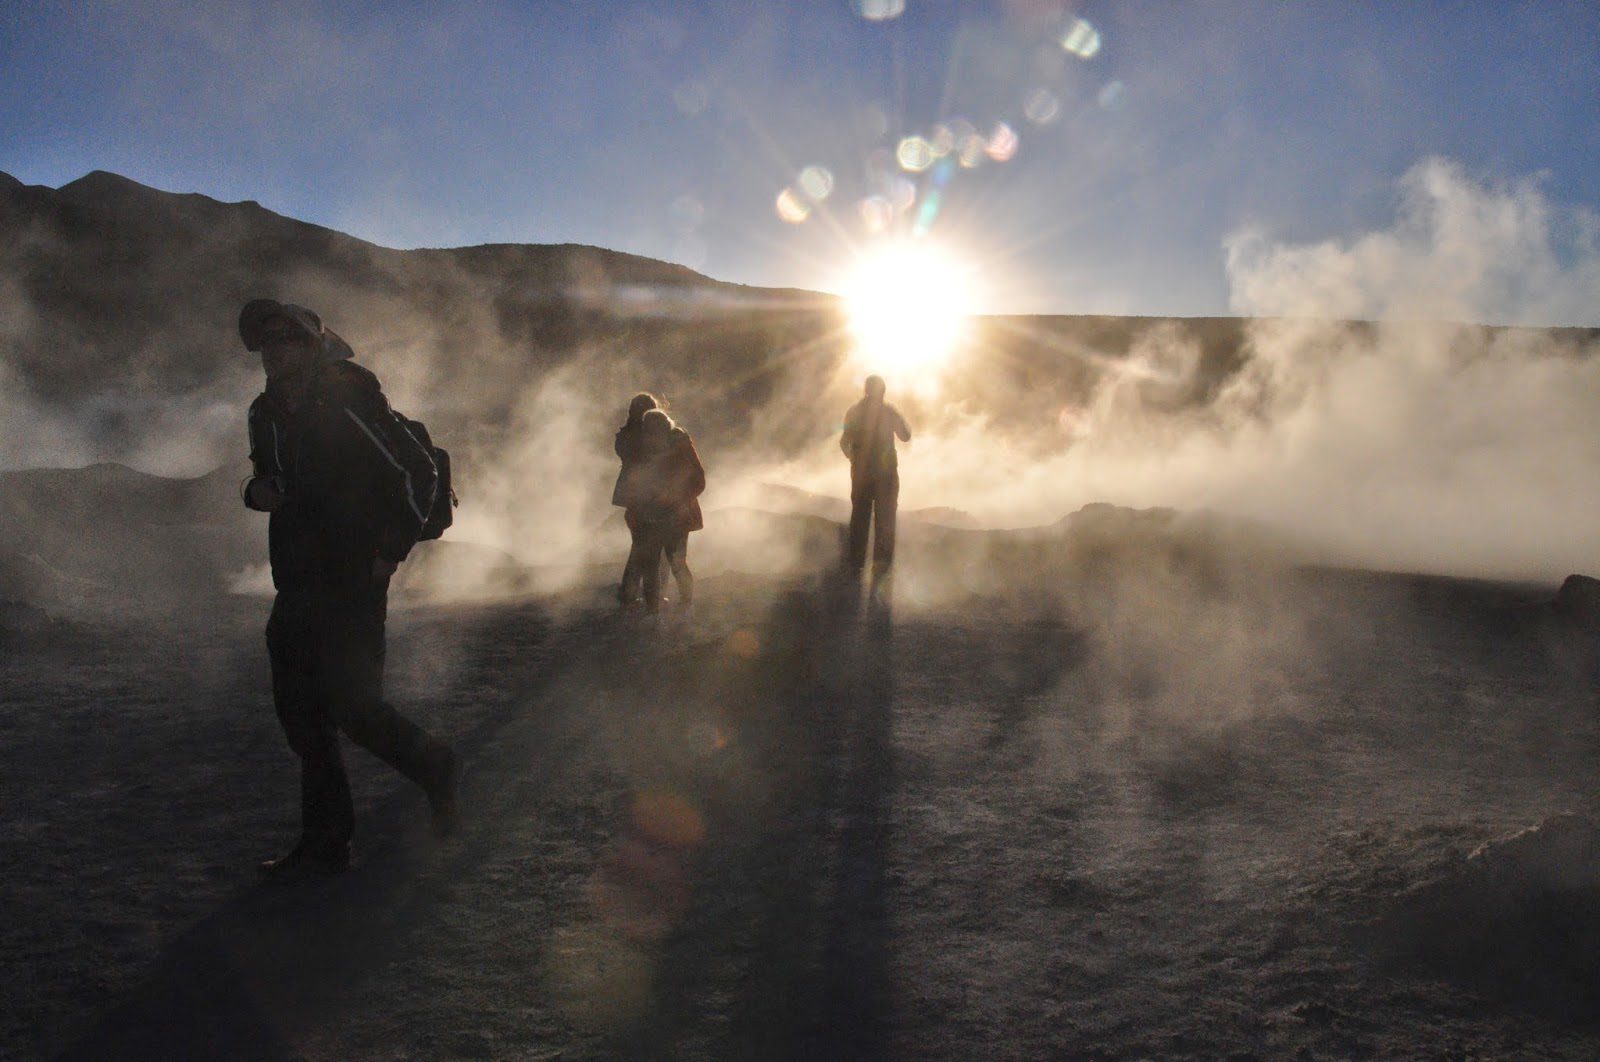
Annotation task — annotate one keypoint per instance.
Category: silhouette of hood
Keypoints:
(257, 312)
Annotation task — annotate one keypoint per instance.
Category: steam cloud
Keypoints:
(1419, 441)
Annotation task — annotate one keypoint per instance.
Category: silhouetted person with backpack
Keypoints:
(349, 489)
(870, 429)
(661, 491)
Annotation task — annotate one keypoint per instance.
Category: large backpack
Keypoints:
(444, 496)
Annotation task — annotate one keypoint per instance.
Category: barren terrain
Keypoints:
(1168, 810)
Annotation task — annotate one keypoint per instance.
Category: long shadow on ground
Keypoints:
(786, 944)
(783, 949)
(258, 977)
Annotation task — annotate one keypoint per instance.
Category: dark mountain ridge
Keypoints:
(117, 289)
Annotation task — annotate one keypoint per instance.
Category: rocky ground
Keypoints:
(1204, 817)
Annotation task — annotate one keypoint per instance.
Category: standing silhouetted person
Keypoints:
(870, 428)
(348, 488)
(661, 491)
(629, 445)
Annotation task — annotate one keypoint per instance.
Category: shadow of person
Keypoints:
(234, 984)
(856, 984)
(839, 593)
(265, 972)
(827, 989)
(880, 601)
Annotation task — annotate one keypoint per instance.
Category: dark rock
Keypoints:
(1578, 600)
(1518, 919)
(1560, 853)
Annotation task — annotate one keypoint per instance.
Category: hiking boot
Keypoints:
(444, 794)
(304, 864)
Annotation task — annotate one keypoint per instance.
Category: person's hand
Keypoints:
(265, 493)
(382, 569)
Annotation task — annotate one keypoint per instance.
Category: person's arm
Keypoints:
(697, 473)
(901, 428)
(263, 491)
(847, 438)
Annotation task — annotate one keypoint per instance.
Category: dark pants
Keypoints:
(327, 676)
(651, 540)
(873, 500)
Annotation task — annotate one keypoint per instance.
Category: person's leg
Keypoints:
(354, 646)
(326, 814)
(886, 505)
(650, 564)
(677, 550)
(861, 493)
(633, 571)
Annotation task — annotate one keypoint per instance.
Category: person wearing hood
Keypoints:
(661, 491)
(348, 489)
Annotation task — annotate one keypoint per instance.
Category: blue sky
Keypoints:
(670, 129)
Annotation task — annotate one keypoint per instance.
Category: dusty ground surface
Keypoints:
(1178, 818)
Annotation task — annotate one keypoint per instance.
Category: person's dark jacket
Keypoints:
(870, 428)
(358, 485)
(629, 445)
(664, 487)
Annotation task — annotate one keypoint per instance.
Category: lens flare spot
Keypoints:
(687, 212)
(914, 154)
(970, 151)
(816, 182)
(876, 214)
(942, 140)
(1041, 106)
(928, 212)
(1110, 97)
(691, 98)
(902, 194)
(909, 305)
(744, 643)
(641, 890)
(872, 122)
(880, 10)
(1081, 39)
(599, 981)
(1003, 143)
(792, 206)
(961, 133)
(665, 818)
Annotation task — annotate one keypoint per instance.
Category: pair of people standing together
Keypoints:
(659, 490)
(662, 478)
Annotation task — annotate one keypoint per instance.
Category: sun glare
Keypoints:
(908, 304)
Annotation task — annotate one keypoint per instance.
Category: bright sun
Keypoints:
(909, 304)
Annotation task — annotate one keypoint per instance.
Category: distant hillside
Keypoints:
(109, 534)
(115, 287)
(120, 298)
